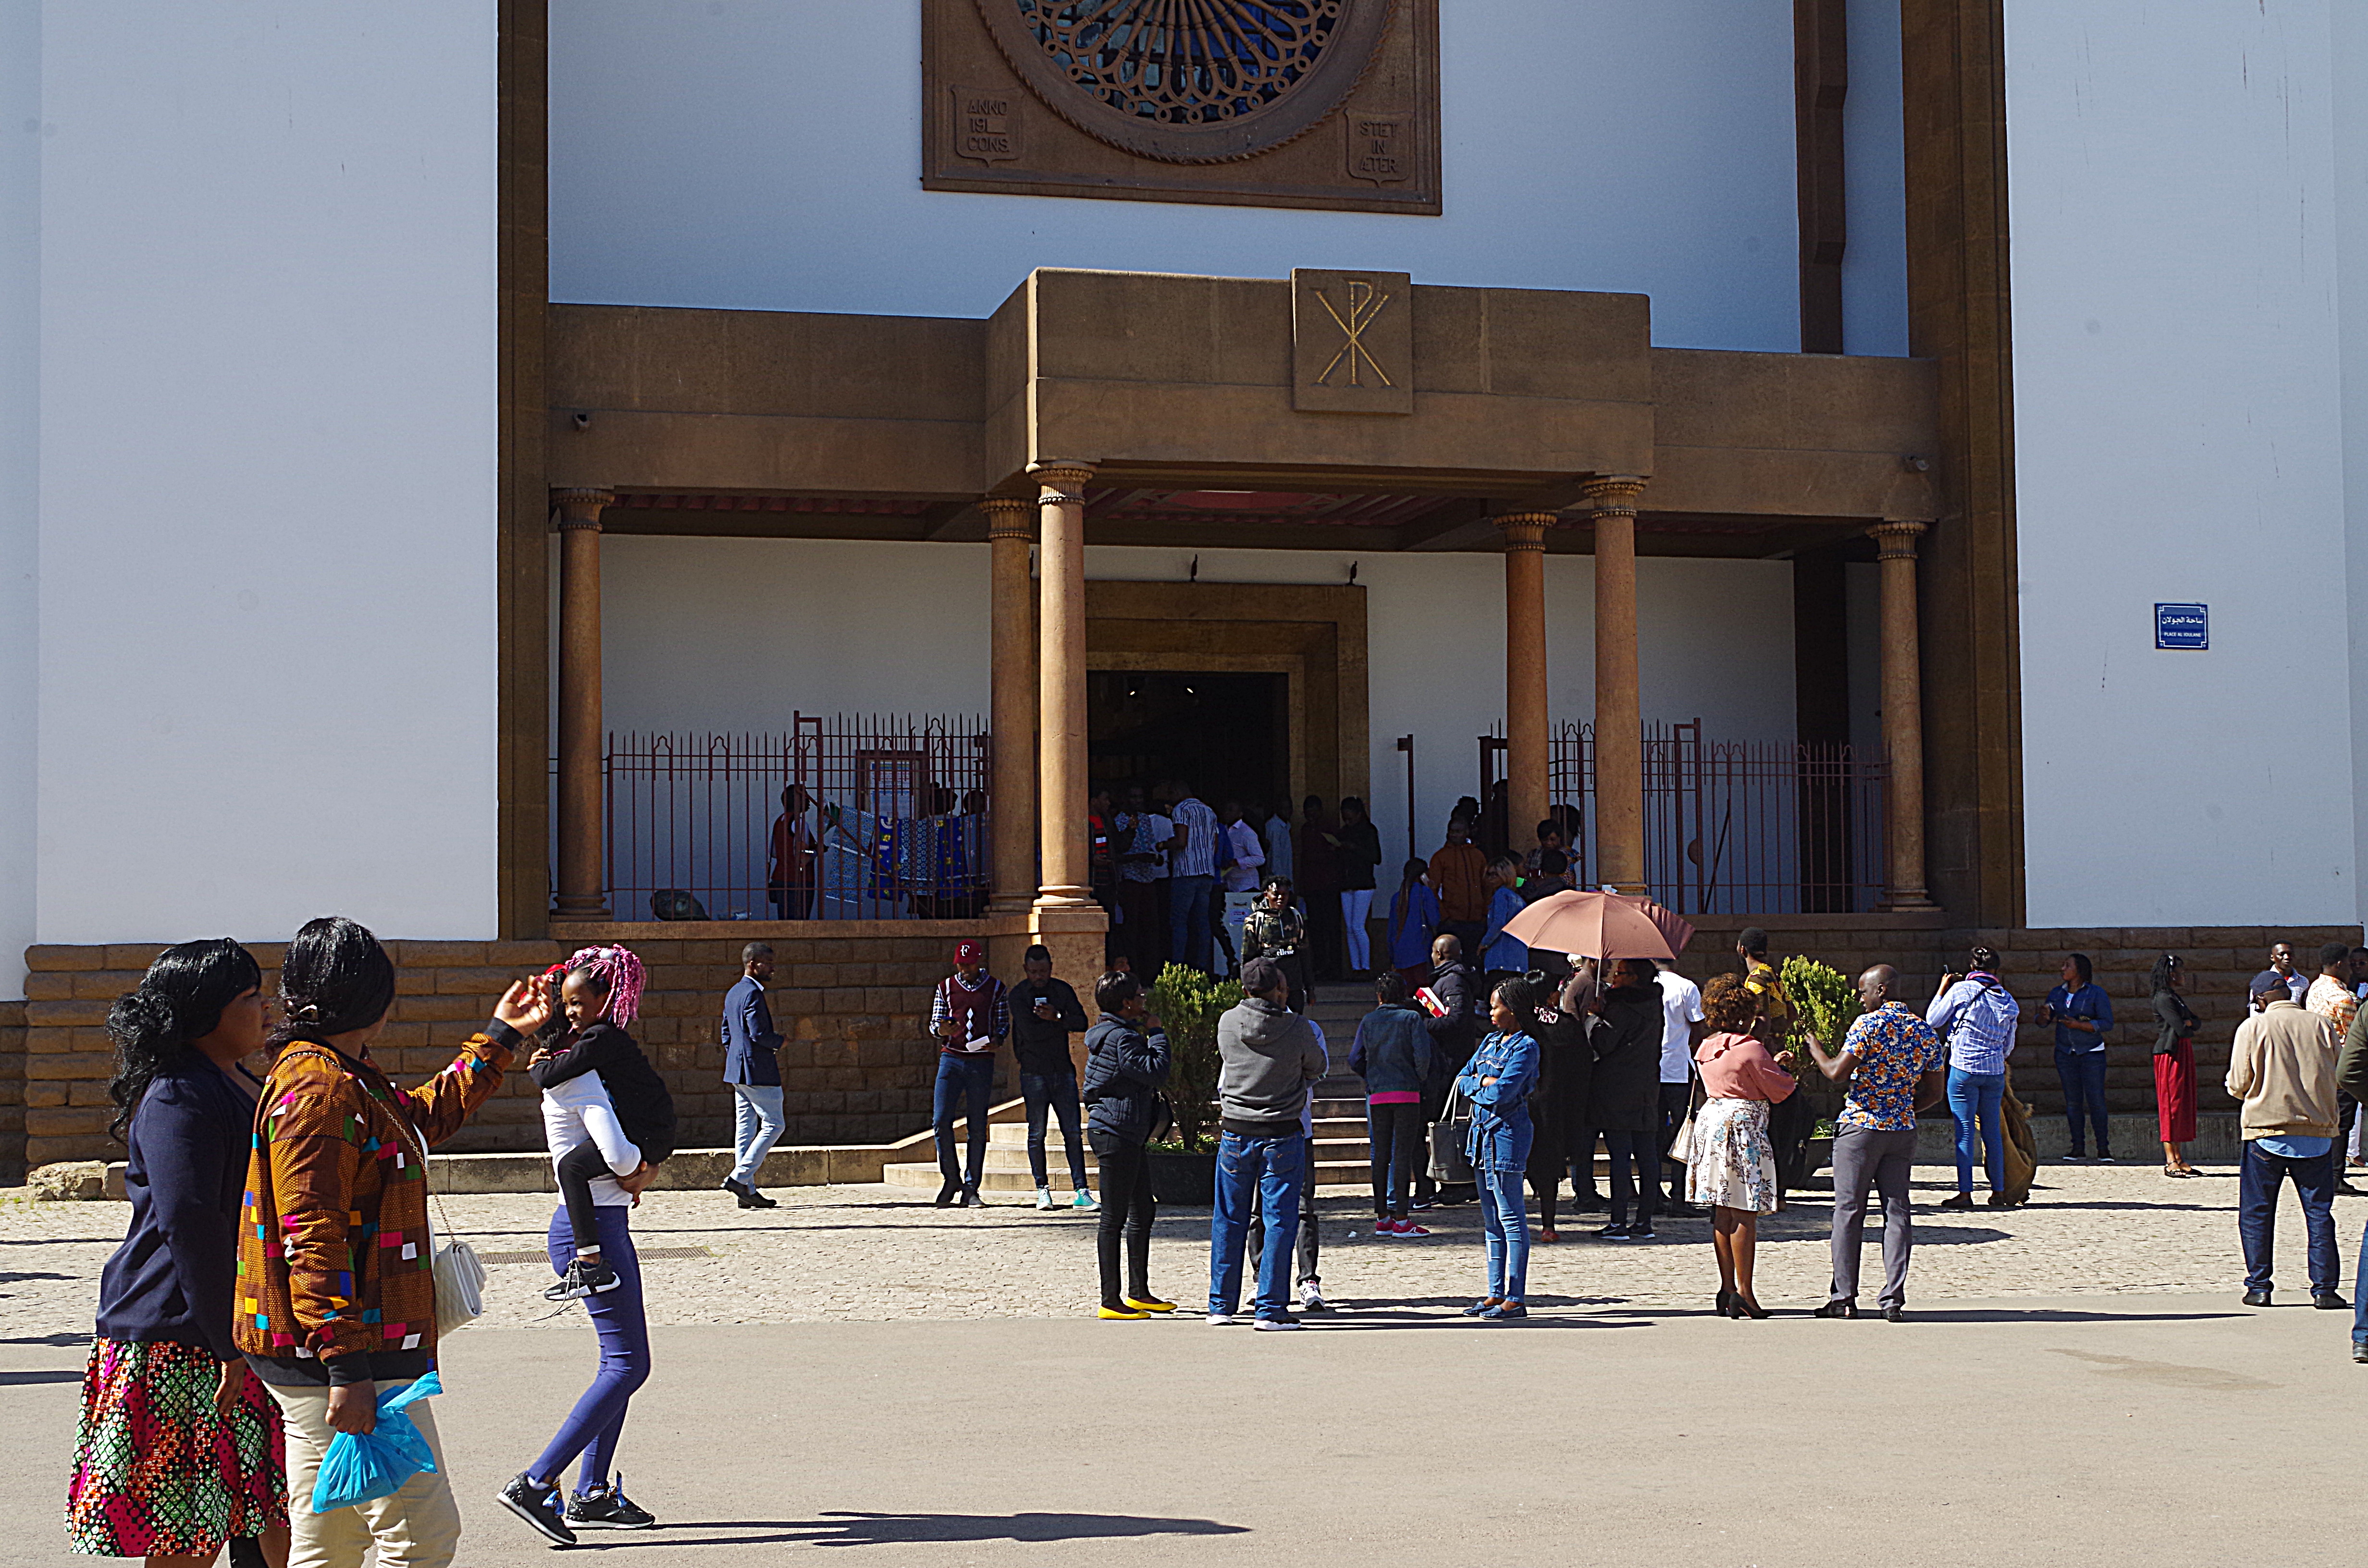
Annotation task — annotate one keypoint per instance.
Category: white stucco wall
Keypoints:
(765, 155)
(20, 487)
(2348, 76)
(2178, 366)
(738, 634)
(266, 468)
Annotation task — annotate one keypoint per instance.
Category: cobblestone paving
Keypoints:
(877, 1253)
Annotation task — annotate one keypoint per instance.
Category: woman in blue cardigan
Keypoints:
(179, 1451)
(1497, 1081)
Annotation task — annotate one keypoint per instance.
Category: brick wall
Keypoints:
(856, 1065)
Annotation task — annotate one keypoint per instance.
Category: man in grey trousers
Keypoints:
(1896, 1065)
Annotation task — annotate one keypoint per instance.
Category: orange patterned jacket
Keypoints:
(334, 1266)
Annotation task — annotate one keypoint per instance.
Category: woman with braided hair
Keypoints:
(610, 1120)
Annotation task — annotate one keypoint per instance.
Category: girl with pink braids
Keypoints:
(608, 1120)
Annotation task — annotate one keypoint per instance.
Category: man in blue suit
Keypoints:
(752, 1066)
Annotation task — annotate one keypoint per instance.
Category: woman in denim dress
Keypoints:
(1497, 1081)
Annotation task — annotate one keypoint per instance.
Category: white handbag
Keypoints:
(459, 1273)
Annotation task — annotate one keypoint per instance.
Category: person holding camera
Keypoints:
(1976, 1014)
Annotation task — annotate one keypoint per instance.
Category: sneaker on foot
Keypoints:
(2359, 1352)
(607, 1509)
(1612, 1234)
(1640, 1233)
(1043, 1198)
(970, 1199)
(2104, 1159)
(1085, 1200)
(1386, 1226)
(1505, 1311)
(1311, 1299)
(1285, 1321)
(584, 1277)
(1223, 1320)
(2076, 1158)
(1409, 1229)
(538, 1506)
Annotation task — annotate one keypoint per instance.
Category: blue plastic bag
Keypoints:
(360, 1466)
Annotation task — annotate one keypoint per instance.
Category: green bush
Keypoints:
(1824, 1001)
(1188, 1004)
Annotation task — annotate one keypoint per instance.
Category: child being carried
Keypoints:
(605, 1113)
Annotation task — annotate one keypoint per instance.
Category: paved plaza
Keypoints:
(2079, 1384)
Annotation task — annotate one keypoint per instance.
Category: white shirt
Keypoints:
(1249, 852)
(1681, 1010)
(1278, 847)
(577, 1112)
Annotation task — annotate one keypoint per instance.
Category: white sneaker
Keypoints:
(1274, 1326)
(1223, 1319)
(1043, 1198)
(1311, 1300)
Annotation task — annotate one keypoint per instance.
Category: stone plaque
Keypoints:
(1380, 147)
(987, 125)
(1316, 103)
(1351, 342)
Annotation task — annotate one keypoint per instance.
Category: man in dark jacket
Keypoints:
(1454, 1032)
(1126, 1061)
(1624, 1097)
(1268, 1058)
(1393, 1054)
(752, 1065)
(1044, 1014)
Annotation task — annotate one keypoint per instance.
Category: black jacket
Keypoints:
(1124, 1071)
(1359, 852)
(172, 1279)
(644, 1108)
(1626, 1095)
(2177, 1021)
(1037, 1045)
(1453, 1034)
(1558, 1106)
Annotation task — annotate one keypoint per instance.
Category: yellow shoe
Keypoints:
(1150, 1304)
(1123, 1314)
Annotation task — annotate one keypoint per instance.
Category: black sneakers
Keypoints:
(538, 1506)
(584, 1277)
(609, 1509)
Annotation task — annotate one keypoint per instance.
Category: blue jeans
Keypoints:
(1506, 1222)
(1188, 924)
(2259, 1176)
(755, 1128)
(1270, 1173)
(1056, 1092)
(1973, 1101)
(592, 1429)
(964, 1085)
(2083, 1075)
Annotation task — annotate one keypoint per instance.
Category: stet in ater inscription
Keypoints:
(1380, 147)
(1353, 342)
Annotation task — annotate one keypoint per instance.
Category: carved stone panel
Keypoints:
(1351, 342)
(1270, 103)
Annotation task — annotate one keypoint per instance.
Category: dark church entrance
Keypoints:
(1226, 734)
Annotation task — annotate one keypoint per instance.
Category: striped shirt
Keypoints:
(1198, 855)
(1976, 1016)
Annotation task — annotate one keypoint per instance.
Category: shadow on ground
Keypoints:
(848, 1528)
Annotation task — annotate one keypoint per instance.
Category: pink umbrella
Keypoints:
(1593, 925)
(1675, 926)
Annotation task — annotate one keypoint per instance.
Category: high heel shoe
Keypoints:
(1726, 1304)
(1745, 1307)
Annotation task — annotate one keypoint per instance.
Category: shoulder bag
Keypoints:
(1449, 1137)
(1681, 1147)
(460, 1274)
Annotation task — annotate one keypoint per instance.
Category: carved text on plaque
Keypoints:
(1380, 147)
(987, 124)
(1353, 342)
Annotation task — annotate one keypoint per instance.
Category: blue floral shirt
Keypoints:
(1895, 1048)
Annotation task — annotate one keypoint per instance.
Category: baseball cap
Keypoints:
(969, 952)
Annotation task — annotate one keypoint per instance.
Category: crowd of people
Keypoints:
(280, 1282)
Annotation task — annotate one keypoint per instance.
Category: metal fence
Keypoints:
(845, 817)
(1731, 827)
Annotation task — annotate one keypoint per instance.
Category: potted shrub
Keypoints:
(1824, 1004)
(1183, 1165)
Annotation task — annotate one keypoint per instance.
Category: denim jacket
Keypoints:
(1501, 1132)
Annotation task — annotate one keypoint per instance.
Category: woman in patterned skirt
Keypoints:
(1731, 1164)
(179, 1450)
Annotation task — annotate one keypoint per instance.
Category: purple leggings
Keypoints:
(592, 1427)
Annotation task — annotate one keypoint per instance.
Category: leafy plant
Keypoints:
(1188, 1004)
(1824, 1003)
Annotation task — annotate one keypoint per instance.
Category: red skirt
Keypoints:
(2174, 1093)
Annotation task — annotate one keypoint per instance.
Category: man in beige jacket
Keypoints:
(2282, 1067)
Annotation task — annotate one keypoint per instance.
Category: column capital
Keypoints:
(1897, 541)
(1524, 530)
(1612, 495)
(1063, 478)
(1009, 516)
(581, 508)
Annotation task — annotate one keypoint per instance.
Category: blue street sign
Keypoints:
(2183, 626)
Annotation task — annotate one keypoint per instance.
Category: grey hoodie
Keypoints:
(1267, 1056)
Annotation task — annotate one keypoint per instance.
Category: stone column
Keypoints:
(1618, 714)
(580, 876)
(1525, 672)
(1012, 804)
(1061, 692)
(1903, 712)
